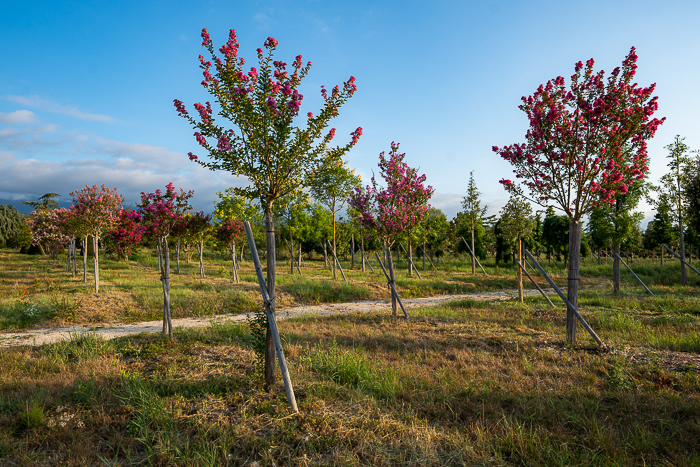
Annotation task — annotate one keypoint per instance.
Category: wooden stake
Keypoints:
(271, 321)
(393, 290)
(564, 299)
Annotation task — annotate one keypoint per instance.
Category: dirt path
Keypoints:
(110, 331)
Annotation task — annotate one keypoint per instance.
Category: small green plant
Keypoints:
(31, 416)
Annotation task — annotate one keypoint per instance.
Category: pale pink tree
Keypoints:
(160, 213)
(585, 145)
(393, 210)
(46, 231)
(95, 209)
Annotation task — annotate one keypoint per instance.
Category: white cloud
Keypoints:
(18, 117)
(53, 107)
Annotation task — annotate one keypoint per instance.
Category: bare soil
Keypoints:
(45, 335)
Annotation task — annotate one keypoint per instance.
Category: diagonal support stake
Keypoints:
(536, 285)
(336, 261)
(271, 321)
(393, 290)
(410, 260)
(474, 256)
(678, 256)
(563, 297)
(630, 270)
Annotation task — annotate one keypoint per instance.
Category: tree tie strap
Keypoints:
(269, 303)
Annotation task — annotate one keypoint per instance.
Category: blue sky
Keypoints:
(86, 88)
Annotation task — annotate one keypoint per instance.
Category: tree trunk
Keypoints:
(160, 254)
(662, 256)
(238, 263)
(301, 259)
(616, 269)
(177, 255)
(325, 253)
(392, 277)
(473, 250)
(423, 255)
(574, 258)
(73, 241)
(165, 278)
(335, 254)
(85, 248)
(409, 258)
(95, 257)
(270, 357)
(201, 254)
(352, 251)
(684, 270)
(291, 255)
(520, 271)
(362, 250)
(233, 261)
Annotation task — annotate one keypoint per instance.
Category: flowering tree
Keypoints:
(46, 230)
(230, 232)
(585, 145)
(127, 231)
(396, 209)
(160, 213)
(264, 145)
(95, 209)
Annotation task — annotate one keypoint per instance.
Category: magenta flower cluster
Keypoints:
(400, 206)
(585, 143)
(242, 92)
(161, 211)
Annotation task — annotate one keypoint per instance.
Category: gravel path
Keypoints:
(110, 331)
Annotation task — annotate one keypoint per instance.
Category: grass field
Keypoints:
(467, 383)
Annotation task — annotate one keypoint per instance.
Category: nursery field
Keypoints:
(465, 383)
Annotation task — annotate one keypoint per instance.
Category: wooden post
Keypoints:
(271, 321)
(564, 299)
(395, 294)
